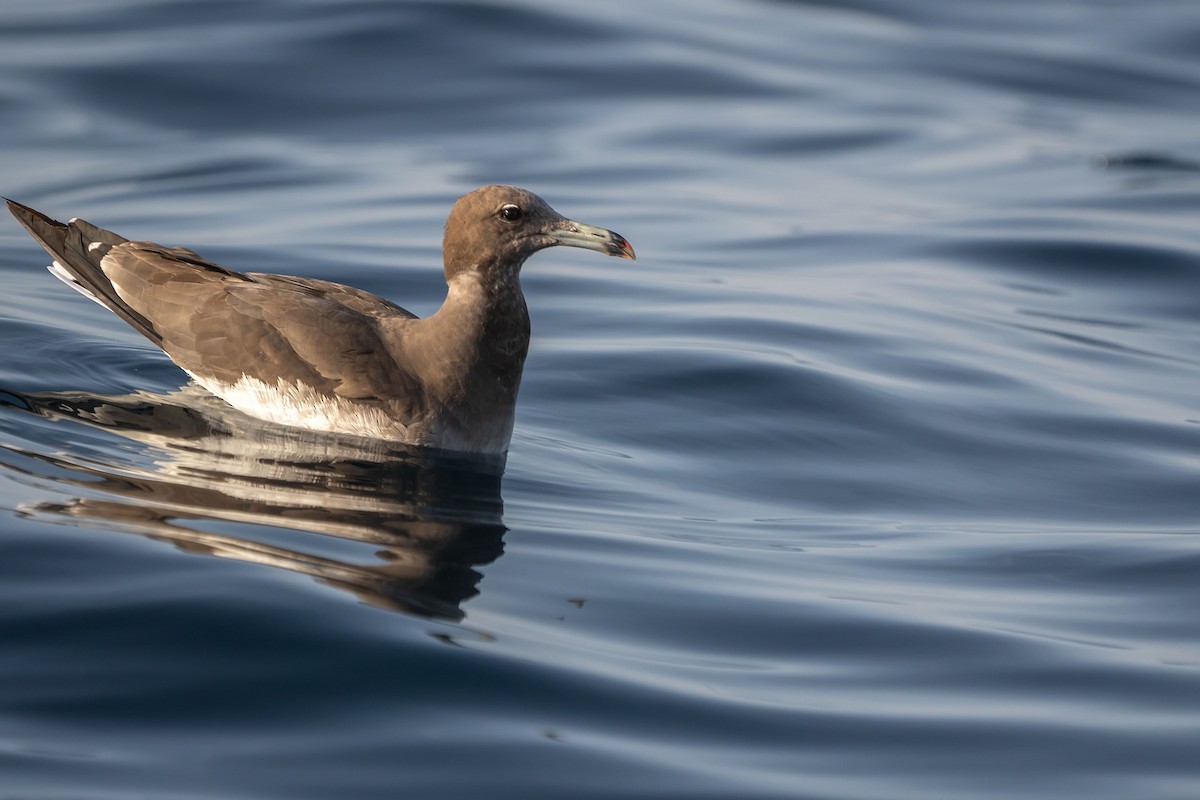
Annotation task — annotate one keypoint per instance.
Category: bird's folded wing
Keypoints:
(221, 326)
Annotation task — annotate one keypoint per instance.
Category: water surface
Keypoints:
(875, 477)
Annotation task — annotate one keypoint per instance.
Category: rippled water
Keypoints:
(875, 477)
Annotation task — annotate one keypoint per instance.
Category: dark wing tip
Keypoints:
(50, 233)
(20, 210)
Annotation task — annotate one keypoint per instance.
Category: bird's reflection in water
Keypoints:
(428, 518)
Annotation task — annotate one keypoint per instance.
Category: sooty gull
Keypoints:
(319, 355)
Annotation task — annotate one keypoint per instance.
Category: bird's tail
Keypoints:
(78, 247)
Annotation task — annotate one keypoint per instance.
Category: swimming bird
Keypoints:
(315, 354)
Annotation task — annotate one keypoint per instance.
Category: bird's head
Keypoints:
(498, 227)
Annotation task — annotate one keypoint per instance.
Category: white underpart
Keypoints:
(302, 406)
(60, 272)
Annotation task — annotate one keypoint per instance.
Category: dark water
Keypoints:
(875, 477)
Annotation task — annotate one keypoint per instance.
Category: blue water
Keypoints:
(877, 476)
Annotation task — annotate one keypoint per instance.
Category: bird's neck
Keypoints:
(480, 336)
(487, 309)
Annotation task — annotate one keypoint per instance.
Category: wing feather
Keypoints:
(221, 325)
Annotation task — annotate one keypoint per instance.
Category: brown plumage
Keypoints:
(320, 355)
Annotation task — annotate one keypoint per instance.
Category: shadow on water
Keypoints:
(430, 518)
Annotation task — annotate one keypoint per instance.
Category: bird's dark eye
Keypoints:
(511, 213)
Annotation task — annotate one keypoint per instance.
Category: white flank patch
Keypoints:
(60, 272)
(95, 246)
(302, 406)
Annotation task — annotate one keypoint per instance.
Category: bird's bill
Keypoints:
(589, 237)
